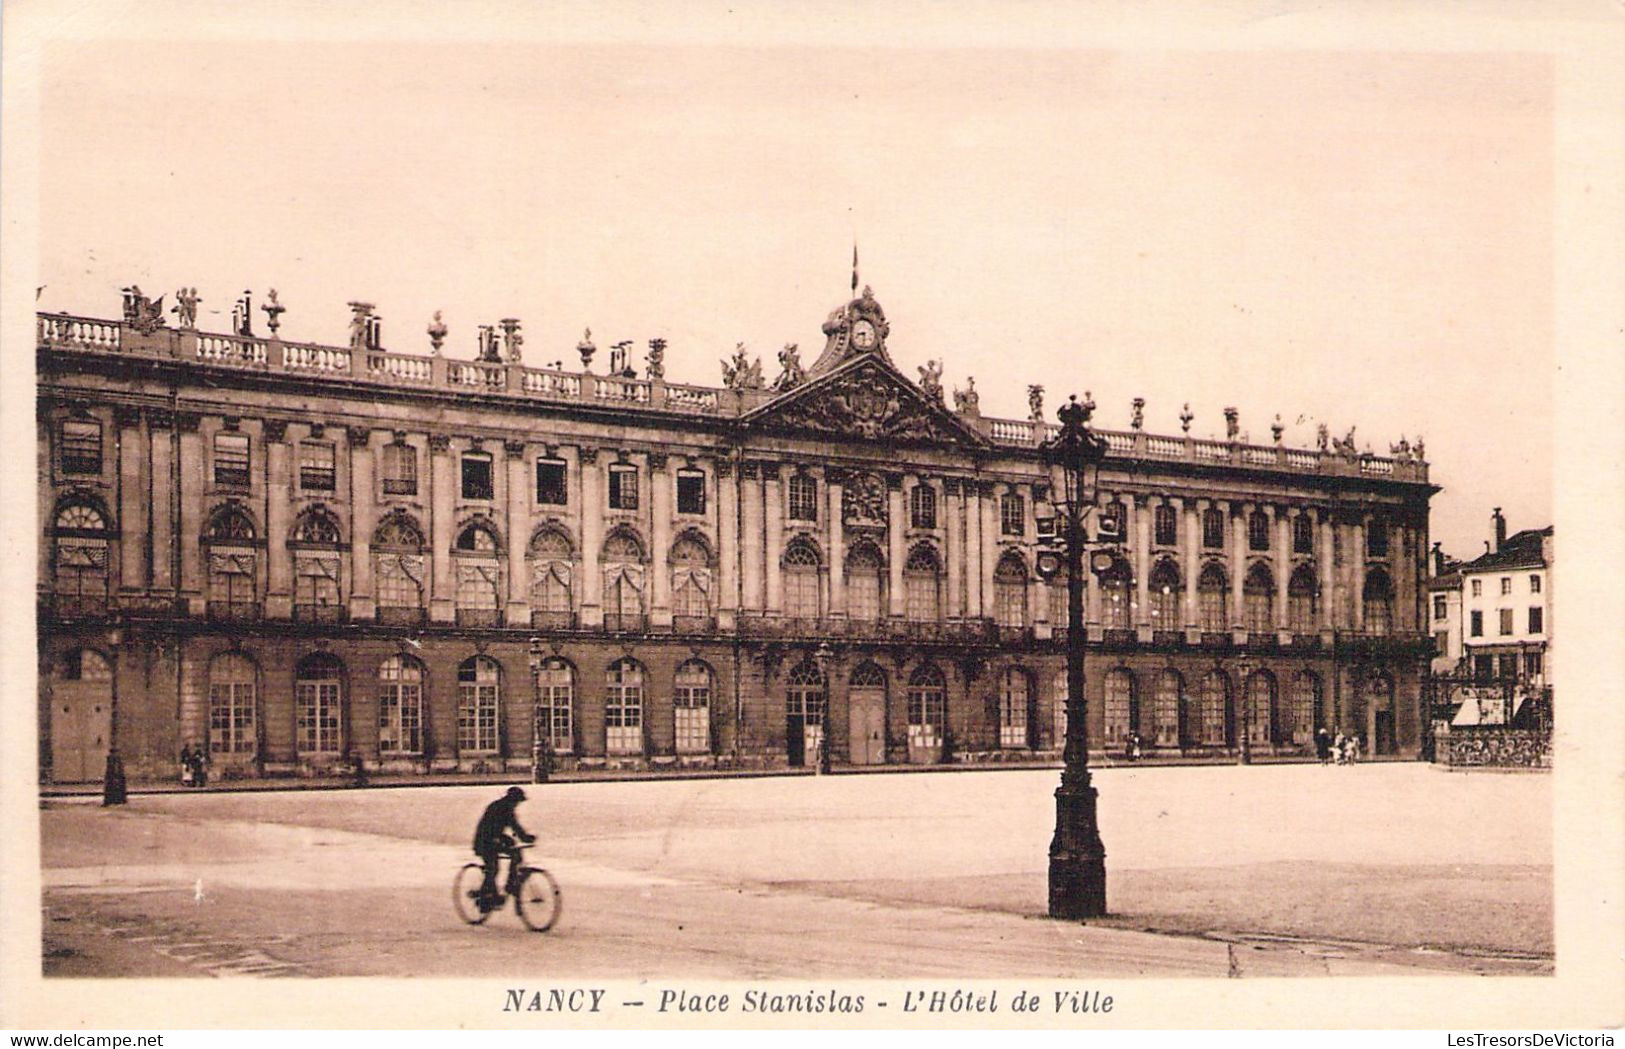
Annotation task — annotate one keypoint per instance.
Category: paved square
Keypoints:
(1264, 870)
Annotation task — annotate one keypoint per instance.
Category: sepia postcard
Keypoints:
(813, 516)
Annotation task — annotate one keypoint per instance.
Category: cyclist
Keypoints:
(491, 842)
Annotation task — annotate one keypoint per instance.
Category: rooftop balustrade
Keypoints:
(378, 367)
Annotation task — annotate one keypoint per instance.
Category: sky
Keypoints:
(1356, 238)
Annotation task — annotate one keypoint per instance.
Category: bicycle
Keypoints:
(534, 891)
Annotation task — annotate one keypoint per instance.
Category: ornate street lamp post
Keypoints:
(541, 735)
(823, 657)
(1244, 669)
(1077, 857)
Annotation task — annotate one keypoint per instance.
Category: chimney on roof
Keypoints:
(1438, 560)
(1500, 529)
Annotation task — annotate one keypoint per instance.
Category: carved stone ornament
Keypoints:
(187, 422)
(141, 313)
(514, 449)
(657, 460)
(770, 471)
(127, 416)
(359, 436)
(275, 430)
(863, 501)
(871, 403)
(439, 443)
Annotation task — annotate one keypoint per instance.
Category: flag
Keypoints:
(854, 267)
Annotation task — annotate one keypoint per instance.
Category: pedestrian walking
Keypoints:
(1323, 745)
(186, 765)
(200, 767)
(1340, 749)
(1356, 744)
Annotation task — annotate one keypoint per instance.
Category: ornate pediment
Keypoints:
(866, 400)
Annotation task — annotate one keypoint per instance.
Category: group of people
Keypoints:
(194, 766)
(1343, 749)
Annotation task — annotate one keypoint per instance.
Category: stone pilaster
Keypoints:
(133, 500)
(363, 519)
(773, 512)
(895, 524)
(520, 498)
(728, 554)
(590, 596)
(443, 494)
(837, 546)
(661, 484)
(954, 526)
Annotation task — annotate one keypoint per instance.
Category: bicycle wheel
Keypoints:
(538, 899)
(465, 891)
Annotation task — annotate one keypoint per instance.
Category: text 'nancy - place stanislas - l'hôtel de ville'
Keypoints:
(308, 557)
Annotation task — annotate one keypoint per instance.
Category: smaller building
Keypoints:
(1506, 608)
(1444, 611)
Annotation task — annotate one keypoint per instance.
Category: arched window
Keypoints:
(479, 703)
(805, 699)
(80, 535)
(233, 684)
(233, 565)
(479, 576)
(692, 698)
(1303, 534)
(690, 582)
(552, 563)
(1058, 612)
(317, 566)
(1015, 699)
(1165, 525)
(1258, 595)
(927, 709)
(623, 708)
(922, 506)
(622, 567)
(316, 528)
(1173, 717)
(318, 699)
(1380, 696)
(1116, 602)
(800, 581)
(399, 565)
(803, 493)
(1261, 707)
(1378, 599)
(1113, 520)
(1167, 597)
(1216, 708)
(1122, 705)
(1308, 711)
(1213, 600)
(1258, 530)
(1010, 591)
(400, 705)
(863, 583)
(1213, 528)
(1303, 600)
(555, 702)
(921, 581)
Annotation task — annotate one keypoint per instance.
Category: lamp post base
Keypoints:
(1077, 857)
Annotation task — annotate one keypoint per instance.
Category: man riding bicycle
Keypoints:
(491, 842)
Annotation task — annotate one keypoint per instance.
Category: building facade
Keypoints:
(307, 557)
(1506, 607)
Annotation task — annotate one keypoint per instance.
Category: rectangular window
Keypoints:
(1506, 585)
(1439, 607)
(1532, 664)
(690, 492)
(231, 459)
(1483, 667)
(1534, 584)
(81, 447)
(1537, 620)
(803, 498)
(923, 506)
(1013, 514)
(1509, 664)
(552, 484)
(1441, 643)
(1376, 540)
(1477, 624)
(1478, 588)
(623, 487)
(1213, 529)
(1165, 526)
(400, 469)
(316, 471)
(477, 477)
(1506, 622)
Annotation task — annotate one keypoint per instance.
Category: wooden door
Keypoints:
(868, 726)
(81, 723)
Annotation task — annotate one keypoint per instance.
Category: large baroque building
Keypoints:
(306, 557)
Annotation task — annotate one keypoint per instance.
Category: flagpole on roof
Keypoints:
(854, 265)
